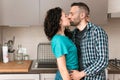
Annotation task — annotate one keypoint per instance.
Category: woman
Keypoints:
(63, 48)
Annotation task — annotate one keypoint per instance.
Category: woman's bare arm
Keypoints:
(62, 68)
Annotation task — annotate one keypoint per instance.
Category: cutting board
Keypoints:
(15, 67)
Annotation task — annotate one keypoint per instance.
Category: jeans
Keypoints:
(58, 76)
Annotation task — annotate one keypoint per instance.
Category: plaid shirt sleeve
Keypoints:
(101, 44)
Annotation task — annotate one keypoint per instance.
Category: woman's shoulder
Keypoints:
(56, 38)
(59, 38)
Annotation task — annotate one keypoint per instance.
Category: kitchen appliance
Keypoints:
(45, 58)
(114, 64)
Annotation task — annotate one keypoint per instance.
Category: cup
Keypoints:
(11, 56)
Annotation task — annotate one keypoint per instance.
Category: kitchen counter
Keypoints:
(11, 69)
(14, 66)
(37, 71)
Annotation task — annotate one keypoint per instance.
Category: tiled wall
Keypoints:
(29, 37)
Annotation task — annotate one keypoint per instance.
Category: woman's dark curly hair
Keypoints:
(51, 22)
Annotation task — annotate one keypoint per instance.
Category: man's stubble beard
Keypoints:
(74, 24)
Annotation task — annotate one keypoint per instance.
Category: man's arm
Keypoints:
(101, 61)
(102, 58)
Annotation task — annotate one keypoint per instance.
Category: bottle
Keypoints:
(5, 53)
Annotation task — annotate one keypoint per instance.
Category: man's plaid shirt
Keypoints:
(94, 51)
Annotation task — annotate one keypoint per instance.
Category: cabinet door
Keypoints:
(98, 8)
(47, 76)
(111, 77)
(19, 76)
(115, 15)
(117, 77)
(0, 12)
(20, 12)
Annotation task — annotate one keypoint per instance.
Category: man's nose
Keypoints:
(69, 17)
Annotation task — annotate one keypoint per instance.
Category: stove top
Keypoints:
(114, 63)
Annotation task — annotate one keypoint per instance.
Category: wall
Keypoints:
(113, 30)
(0, 35)
(29, 37)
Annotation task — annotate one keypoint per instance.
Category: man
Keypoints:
(92, 45)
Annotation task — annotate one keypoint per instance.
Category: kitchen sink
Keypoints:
(38, 65)
(45, 58)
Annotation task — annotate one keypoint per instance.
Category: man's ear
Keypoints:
(82, 15)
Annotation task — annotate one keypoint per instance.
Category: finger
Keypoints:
(71, 74)
(71, 71)
(71, 77)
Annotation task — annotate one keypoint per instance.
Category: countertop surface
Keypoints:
(15, 66)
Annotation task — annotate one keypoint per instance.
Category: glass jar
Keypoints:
(26, 57)
(19, 58)
(19, 55)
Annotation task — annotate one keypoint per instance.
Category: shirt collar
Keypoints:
(89, 25)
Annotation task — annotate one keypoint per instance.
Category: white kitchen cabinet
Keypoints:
(98, 8)
(32, 12)
(115, 15)
(19, 12)
(19, 76)
(111, 77)
(47, 76)
(117, 77)
(0, 11)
